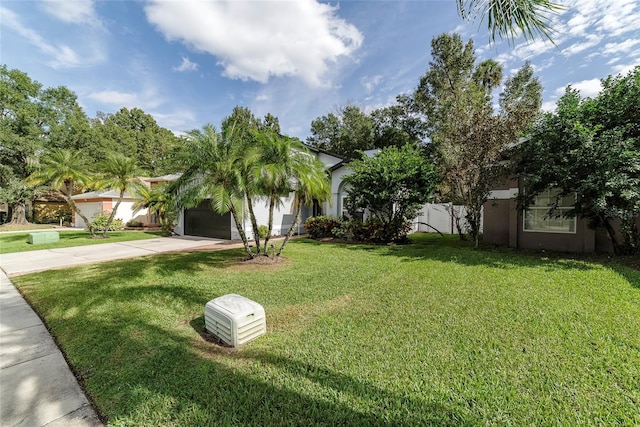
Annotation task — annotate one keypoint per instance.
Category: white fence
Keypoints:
(441, 217)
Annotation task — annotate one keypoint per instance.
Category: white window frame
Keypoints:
(550, 194)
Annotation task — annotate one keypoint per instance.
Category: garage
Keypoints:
(202, 221)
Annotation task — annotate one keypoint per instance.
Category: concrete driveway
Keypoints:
(16, 264)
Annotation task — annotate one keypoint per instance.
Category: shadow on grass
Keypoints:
(139, 373)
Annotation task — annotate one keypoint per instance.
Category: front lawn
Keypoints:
(19, 242)
(433, 333)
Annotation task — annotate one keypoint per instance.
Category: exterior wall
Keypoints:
(88, 209)
(504, 225)
(93, 207)
(328, 159)
(496, 226)
(583, 240)
(338, 191)
(283, 217)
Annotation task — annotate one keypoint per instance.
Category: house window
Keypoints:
(538, 218)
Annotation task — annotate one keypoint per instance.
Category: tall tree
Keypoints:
(136, 134)
(399, 124)
(27, 115)
(345, 133)
(469, 138)
(120, 173)
(64, 170)
(591, 148)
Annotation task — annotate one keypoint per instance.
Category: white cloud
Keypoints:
(115, 98)
(63, 55)
(624, 68)
(186, 65)
(549, 106)
(72, 12)
(621, 47)
(370, 83)
(260, 39)
(590, 41)
(587, 88)
(262, 97)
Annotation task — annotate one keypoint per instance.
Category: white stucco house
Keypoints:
(96, 202)
(203, 221)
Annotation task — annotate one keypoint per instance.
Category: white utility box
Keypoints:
(234, 319)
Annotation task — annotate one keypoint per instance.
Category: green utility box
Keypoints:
(44, 237)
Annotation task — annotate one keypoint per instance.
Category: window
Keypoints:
(538, 217)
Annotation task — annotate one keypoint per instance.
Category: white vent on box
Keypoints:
(234, 319)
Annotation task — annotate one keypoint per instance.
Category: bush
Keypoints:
(321, 226)
(100, 222)
(263, 230)
(133, 223)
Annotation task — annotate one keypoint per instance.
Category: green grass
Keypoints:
(433, 333)
(19, 242)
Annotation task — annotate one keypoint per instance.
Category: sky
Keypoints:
(190, 62)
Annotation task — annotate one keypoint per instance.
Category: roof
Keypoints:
(102, 194)
(163, 178)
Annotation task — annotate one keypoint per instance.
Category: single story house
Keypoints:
(203, 221)
(50, 207)
(504, 224)
(96, 202)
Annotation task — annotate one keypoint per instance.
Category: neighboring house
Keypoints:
(96, 202)
(505, 225)
(203, 221)
(50, 207)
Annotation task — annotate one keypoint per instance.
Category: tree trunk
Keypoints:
(240, 228)
(74, 208)
(113, 214)
(291, 229)
(254, 222)
(18, 214)
(612, 235)
(272, 204)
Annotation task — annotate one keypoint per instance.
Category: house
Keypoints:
(50, 207)
(95, 203)
(505, 225)
(203, 221)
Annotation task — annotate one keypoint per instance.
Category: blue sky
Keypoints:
(190, 62)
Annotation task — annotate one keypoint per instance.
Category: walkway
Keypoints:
(37, 388)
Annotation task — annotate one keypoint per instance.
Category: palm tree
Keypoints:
(311, 183)
(159, 202)
(488, 74)
(214, 169)
(506, 17)
(64, 170)
(282, 161)
(120, 173)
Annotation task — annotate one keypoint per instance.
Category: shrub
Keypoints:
(263, 230)
(320, 226)
(134, 223)
(372, 231)
(99, 222)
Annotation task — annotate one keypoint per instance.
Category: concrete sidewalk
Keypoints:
(37, 388)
